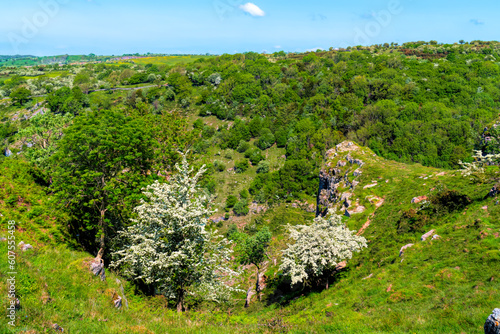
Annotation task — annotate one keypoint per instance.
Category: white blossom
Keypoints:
(169, 246)
(319, 247)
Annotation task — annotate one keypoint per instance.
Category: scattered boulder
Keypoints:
(57, 328)
(367, 277)
(16, 302)
(370, 185)
(402, 250)
(3, 239)
(24, 247)
(494, 191)
(427, 235)
(118, 302)
(97, 265)
(492, 324)
(418, 199)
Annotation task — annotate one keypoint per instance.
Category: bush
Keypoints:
(243, 146)
(244, 194)
(447, 201)
(266, 139)
(233, 229)
(230, 202)
(255, 155)
(219, 166)
(241, 166)
(263, 167)
(241, 208)
(412, 221)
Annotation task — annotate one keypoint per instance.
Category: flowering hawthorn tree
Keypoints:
(318, 248)
(169, 246)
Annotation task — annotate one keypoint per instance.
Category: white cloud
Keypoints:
(277, 46)
(252, 9)
(314, 49)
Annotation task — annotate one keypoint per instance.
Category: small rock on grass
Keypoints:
(492, 324)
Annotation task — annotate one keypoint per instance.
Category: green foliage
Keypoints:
(263, 167)
(230, 202)
(20, 96)
(254, 155)
(241, 208)
(266, 139)
(241, 166)
(231, 231)
(252, 249)
(101, 165)
(219, 166)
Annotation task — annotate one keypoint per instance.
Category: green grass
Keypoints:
(448, 285)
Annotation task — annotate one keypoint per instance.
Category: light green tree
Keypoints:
(170, 248)
(253, 251)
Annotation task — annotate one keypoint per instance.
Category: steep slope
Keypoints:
(444, 284)
(443, 281)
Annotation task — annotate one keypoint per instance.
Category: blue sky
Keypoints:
(53, 27)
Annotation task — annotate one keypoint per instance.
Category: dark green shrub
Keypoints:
(230, 202)
(241, 208)
(241, 166)
(219, 166)
(263, 167)
(447, 201)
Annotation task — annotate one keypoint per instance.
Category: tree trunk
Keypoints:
(257, 284)
(247, 300)
(101, 226)
(180, 301)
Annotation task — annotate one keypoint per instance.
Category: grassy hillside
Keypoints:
(444, 285)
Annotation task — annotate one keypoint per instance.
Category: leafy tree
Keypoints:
(318, 248)
(103, 159)
(263, 167)
(266, 139)
(56, 99)
(169, 247)
(241, 166)
(20, 96)
(241, 208)
(231, 200)
(253, 251)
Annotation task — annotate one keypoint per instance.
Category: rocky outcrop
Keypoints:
(24, 247)
(402, 250)
(418, 199)
(97, 266)
(492, 324)
(336, 178)
(427, 235)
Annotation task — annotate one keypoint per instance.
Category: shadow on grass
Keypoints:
(283, 292)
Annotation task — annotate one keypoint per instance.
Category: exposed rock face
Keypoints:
(118, 302)
(492, 324)
(427, 235)
(402, 250)
(494, 191)
(418, 199)
(24, 247)
(336, 178)
(97, 265)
